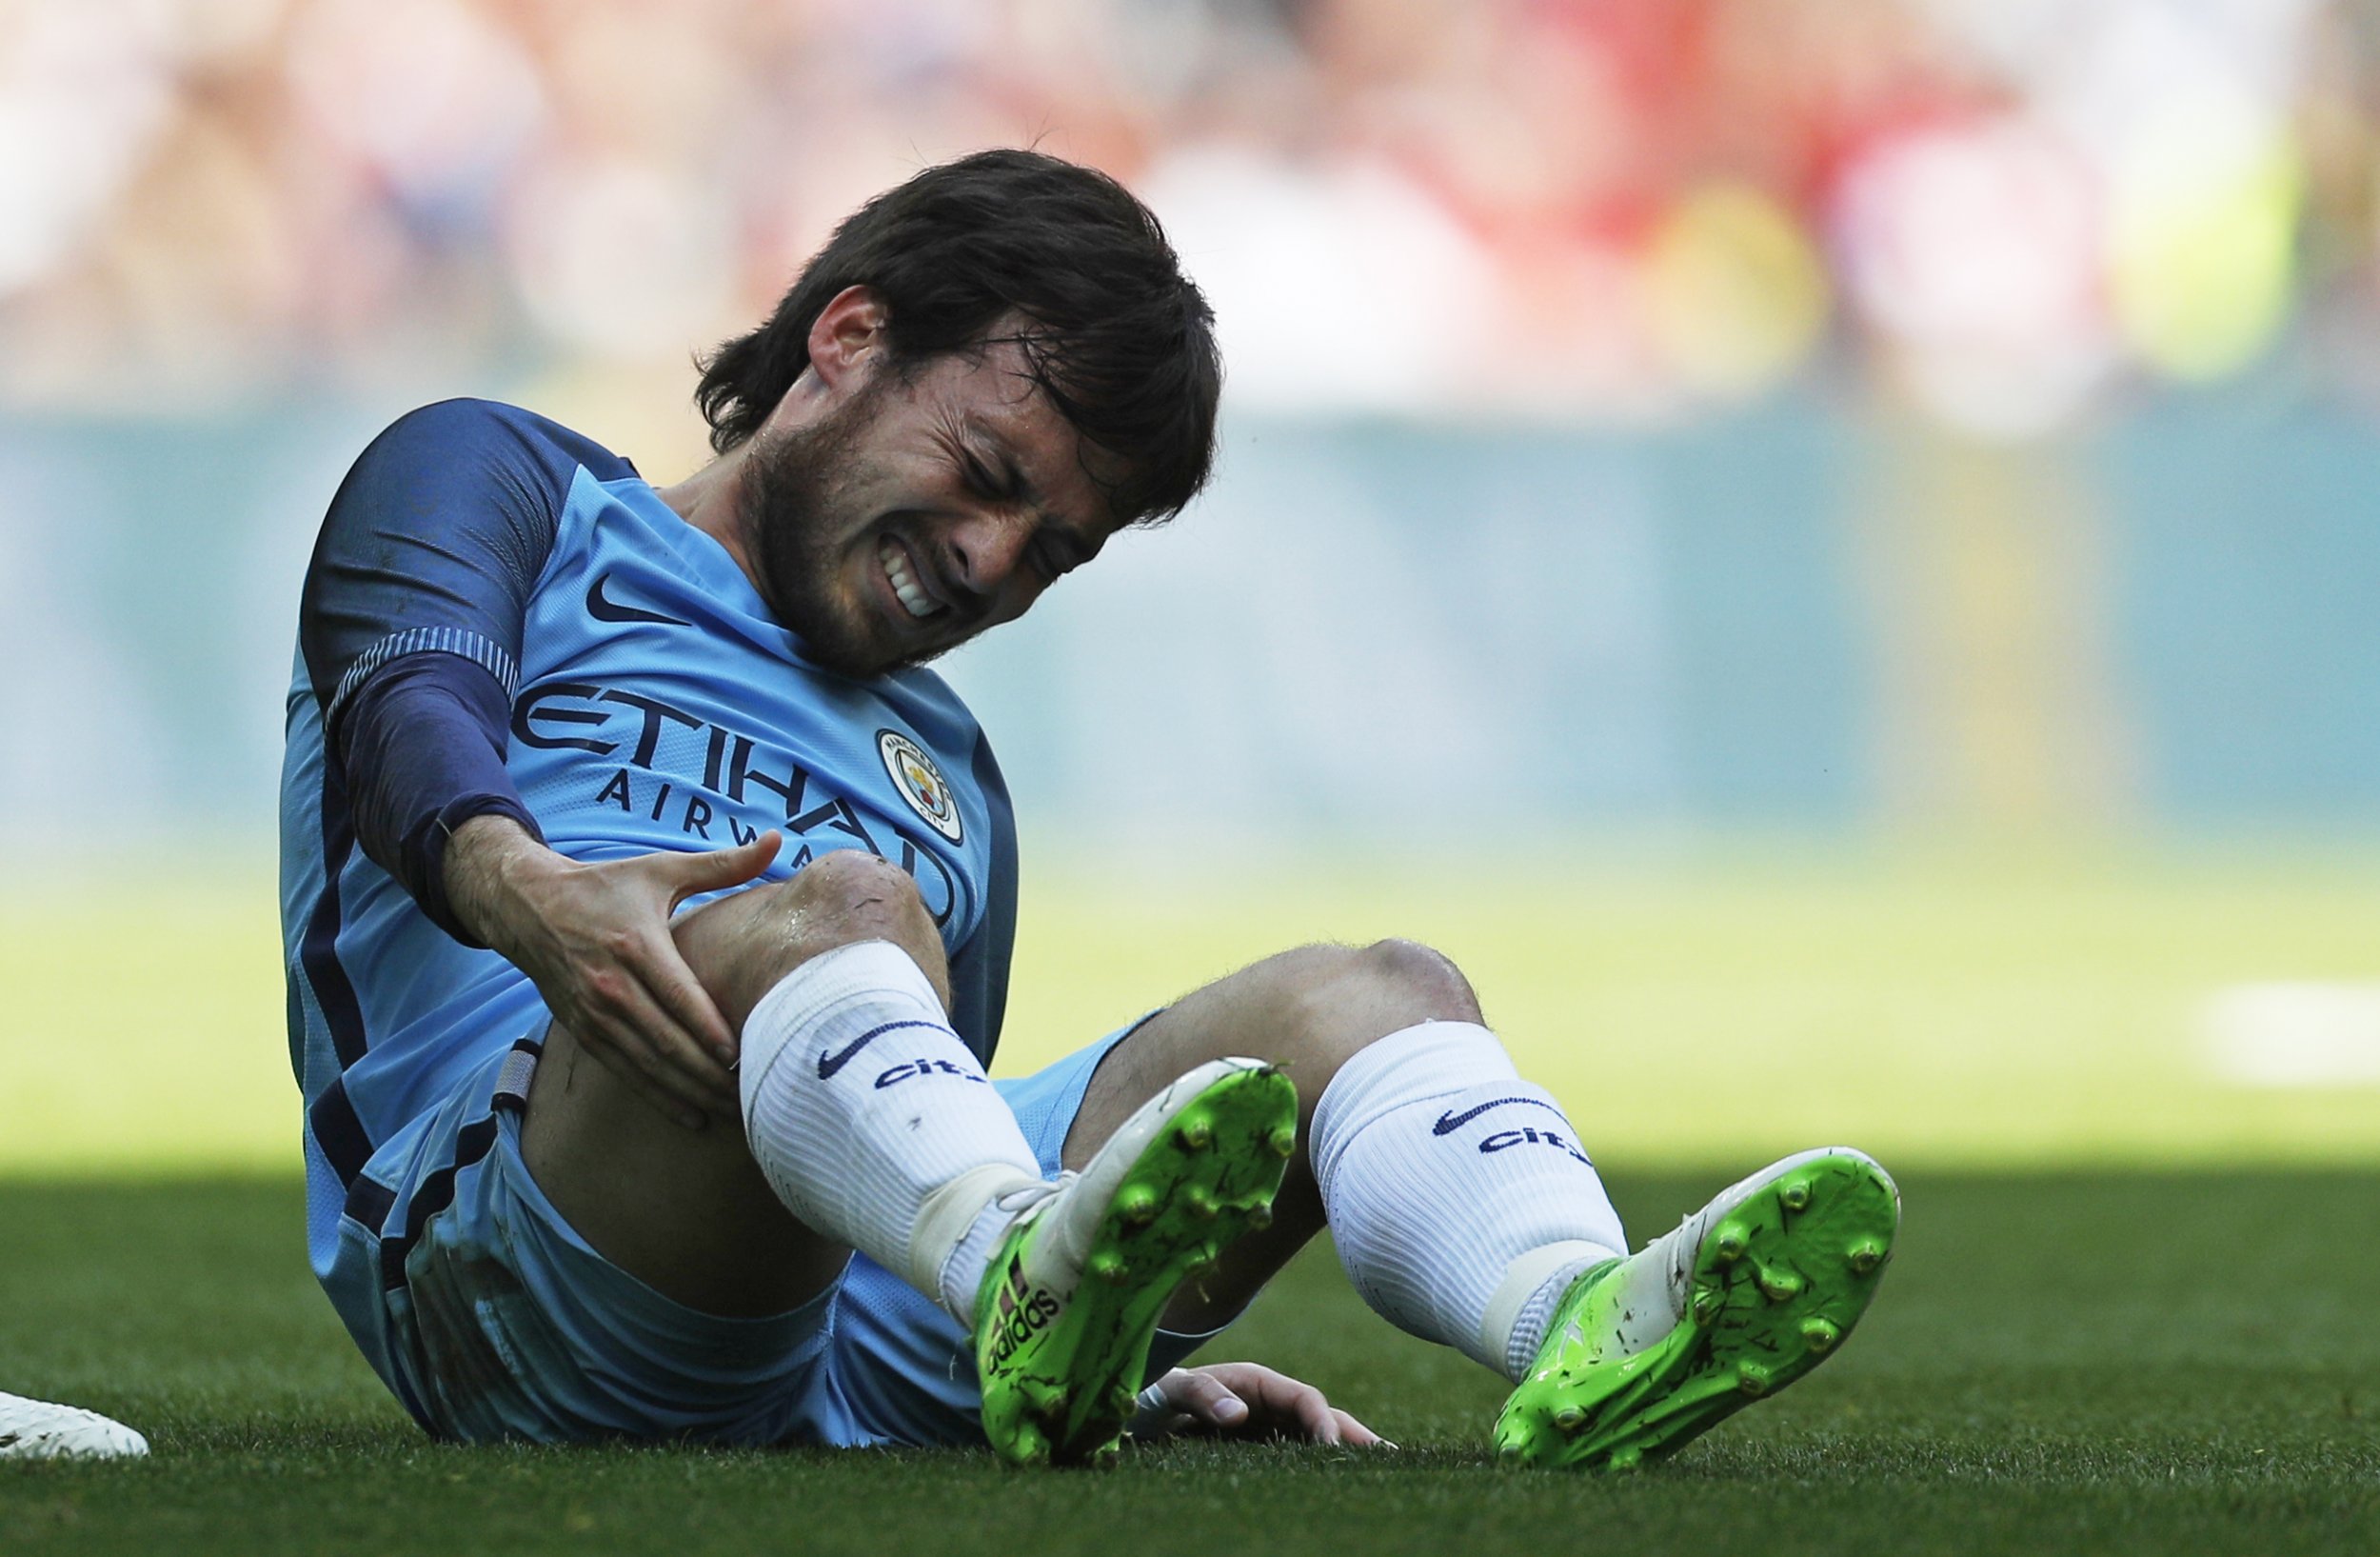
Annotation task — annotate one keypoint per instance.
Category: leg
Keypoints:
(1466, 1212)
(869, 1126)
(689, 1213)
(1307, 1010)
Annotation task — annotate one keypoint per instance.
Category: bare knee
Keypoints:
(1308, 1009)
(849, 896)
(1347, 998)
(1421, 977)
(742, 946)
(855, 896)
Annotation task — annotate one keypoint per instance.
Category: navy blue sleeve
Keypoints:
(423, 751)
(410, 622)
(978, 972)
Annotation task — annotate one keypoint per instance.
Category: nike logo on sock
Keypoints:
(829, 1064)
(610, 610)
(1450, 1122)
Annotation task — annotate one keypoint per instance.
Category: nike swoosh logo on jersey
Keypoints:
(829, 1064)
(607, 610)
(1450, 1122)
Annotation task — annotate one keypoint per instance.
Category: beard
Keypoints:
(794, 488)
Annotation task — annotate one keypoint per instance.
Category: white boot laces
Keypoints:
(1028, 1198)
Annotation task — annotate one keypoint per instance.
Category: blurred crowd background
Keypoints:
(2006, 213)
(1669, 409)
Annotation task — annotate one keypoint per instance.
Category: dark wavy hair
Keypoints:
(1115, 334)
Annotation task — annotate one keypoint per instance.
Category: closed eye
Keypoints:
(1005, 487)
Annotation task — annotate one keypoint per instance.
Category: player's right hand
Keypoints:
(595, 938)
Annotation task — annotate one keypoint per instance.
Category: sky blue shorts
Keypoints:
(493, 1319)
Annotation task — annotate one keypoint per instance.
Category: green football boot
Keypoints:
(1748, 1294)
(1071, 1301)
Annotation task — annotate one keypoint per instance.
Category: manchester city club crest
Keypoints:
(921, 782)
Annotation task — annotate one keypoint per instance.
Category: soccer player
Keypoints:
(647, 912)
(36, 1429)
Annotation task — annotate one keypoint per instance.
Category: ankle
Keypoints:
(955, 1245)
(1527, 1298)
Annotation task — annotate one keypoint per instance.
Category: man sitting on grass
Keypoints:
(584, 1166)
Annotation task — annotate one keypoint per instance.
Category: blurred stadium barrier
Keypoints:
(1375, 632)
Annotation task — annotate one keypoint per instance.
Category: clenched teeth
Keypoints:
(913, 599)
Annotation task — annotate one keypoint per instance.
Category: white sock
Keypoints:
(874, 1124)
(961, 1275)
(1459, 1196)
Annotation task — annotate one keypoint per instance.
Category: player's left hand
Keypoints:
(1246, 1400)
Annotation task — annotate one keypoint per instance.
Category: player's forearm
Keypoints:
(489, 863)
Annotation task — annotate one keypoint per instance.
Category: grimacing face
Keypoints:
(918, 508)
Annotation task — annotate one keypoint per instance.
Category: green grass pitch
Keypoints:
(2103, 1362)
(2103, 1332)
(1978, 1006)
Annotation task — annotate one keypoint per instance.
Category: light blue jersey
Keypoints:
(654, 703)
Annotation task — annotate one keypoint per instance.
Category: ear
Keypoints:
(847, 337)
